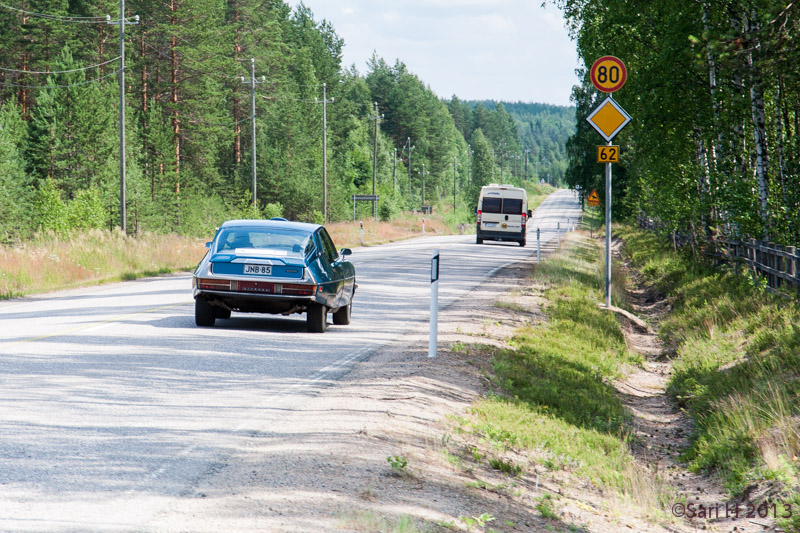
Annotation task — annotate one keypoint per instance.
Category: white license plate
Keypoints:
(490, 224)
(263, 270)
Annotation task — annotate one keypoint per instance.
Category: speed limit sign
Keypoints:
(608, 74)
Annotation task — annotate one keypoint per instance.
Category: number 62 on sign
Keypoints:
(607, 154)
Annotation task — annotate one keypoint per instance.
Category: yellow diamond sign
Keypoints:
(609, 118)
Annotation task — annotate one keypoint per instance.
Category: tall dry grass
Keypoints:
(50, 262)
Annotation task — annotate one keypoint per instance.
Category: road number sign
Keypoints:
(593, 199)
(608, 74)
(607, 154)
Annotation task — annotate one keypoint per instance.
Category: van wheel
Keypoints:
(522, 243)
(478, 240)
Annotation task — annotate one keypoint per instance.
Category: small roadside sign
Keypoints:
(607, 153)
(608, 74)
(608, 119)
(593, 199)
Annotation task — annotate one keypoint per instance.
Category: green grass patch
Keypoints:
(737, 365)
(556, 400)
(369, 521)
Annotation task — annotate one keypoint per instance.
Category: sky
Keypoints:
(509, 50)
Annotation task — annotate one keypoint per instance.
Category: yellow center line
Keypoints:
(91, 325)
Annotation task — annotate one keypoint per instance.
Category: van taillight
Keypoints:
(524, 217)
(479, 217)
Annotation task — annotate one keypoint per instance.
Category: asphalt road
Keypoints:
(113, 403)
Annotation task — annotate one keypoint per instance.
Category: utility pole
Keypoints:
(123, 200)
(410, 149)
(252, 84)
(454, 185)
(325, 103)
(375, 159)
(394, 171)
(469, 164)
(423, 183)
(526, 162)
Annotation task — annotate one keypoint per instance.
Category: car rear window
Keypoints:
(512, 206)
(491, 205)
(280, 241)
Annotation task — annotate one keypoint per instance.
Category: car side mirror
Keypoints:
(208, 244)
(345, 251)
(530, 213)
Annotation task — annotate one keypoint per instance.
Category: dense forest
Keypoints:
(714, 145)
(536, 145)
(190, 71)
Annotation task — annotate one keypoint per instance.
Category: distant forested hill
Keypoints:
(544, 130)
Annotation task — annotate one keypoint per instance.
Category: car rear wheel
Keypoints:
(478, 240)
(522, 243)
(342, 315)
(316, 318)
(203, 313)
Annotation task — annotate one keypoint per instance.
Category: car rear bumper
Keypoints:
(501, 235)
(249, 302)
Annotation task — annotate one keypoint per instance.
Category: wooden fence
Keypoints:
(779, 265)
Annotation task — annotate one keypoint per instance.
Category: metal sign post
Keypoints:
(608, 233)
(433, 340)
(363, 198)
(608, 74)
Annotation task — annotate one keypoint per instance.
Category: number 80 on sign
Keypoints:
(608, 74)
(608, 154)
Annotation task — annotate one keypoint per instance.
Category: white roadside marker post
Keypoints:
(538, 247)
(433, 340)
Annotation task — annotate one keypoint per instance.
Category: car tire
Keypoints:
(221, 312)
(203, 313)
(522, 243)
(478, 240)
(316, 318)
(341, 317)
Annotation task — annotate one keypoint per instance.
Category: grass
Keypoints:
(555, 401)
(50, 263)
(736, 370)
(369, 522)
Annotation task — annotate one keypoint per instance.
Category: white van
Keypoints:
(502, 214)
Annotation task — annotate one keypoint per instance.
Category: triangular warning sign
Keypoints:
(593, 197)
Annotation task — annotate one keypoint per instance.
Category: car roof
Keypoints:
(271, 224)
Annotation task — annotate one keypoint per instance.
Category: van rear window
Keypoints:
(512, 206)
(491, 205)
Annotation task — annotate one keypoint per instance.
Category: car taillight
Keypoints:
(214, 284)
(479, 217)
(296, 289)
(524, 218)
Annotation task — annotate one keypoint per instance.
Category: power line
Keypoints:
(59, 18)
(93, 80)
(59, 71)
(206, 123)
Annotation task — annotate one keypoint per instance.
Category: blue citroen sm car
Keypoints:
(274, 266)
